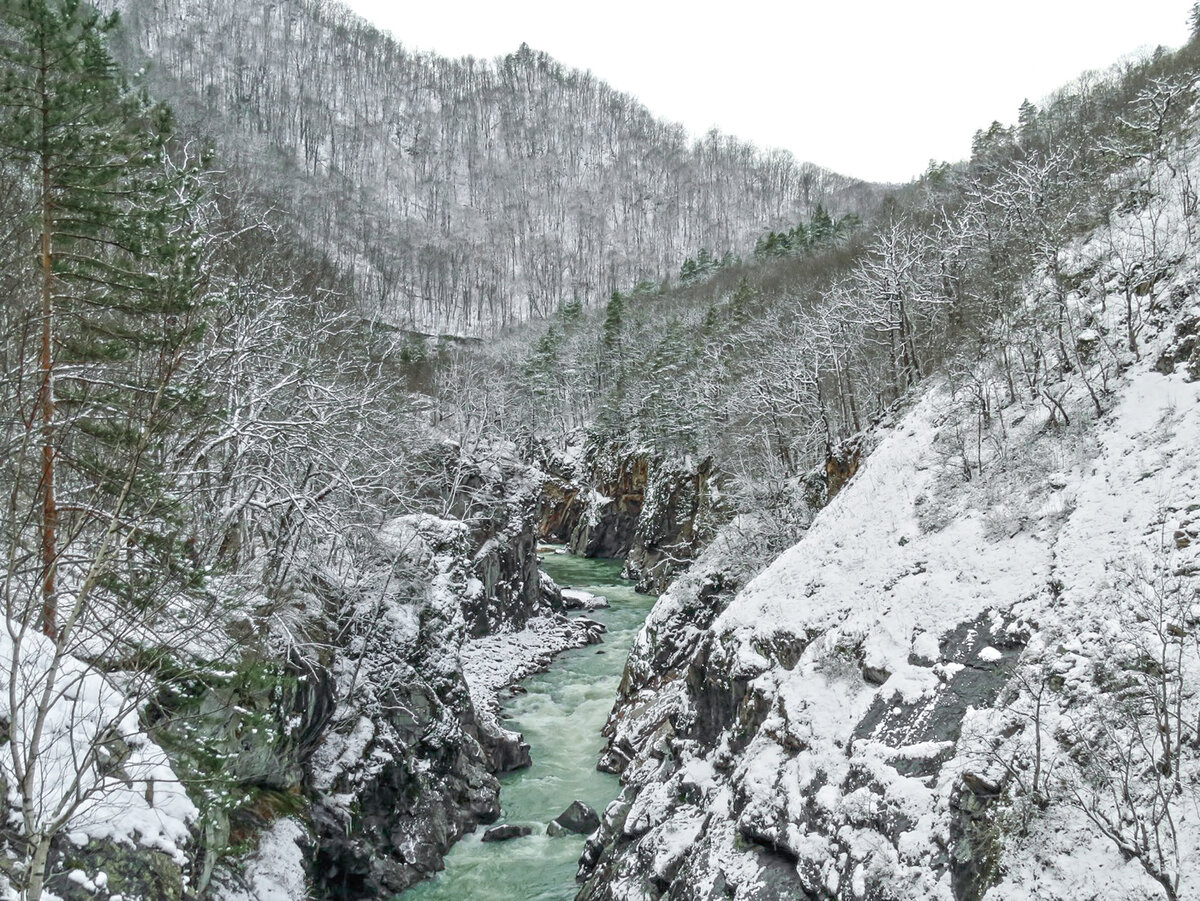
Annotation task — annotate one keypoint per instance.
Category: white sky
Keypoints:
(869, 88)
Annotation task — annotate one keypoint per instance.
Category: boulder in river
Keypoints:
(505, 832)
(578, 818)
(575, 599)
(595, 630)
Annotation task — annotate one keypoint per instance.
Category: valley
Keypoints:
(397, 450)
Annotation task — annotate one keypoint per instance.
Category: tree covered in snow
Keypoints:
(101, 326)
(462, 195)
(186, 394)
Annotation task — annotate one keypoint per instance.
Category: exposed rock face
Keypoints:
(736, 731)
(1183, 350)
(654, 673)
(613, 501)
(675, 523)
(434, 777)
(612, 505)
(499, 503)
(841, 463)
(561, 504)
(714, 703)
(976, 837)
(366, 730)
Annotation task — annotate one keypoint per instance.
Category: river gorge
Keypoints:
(560, 713)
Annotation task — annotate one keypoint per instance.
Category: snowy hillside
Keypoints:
(971, 676)
(920, 485)
(853, 681)
(461, 195)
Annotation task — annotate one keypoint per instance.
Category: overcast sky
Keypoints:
(870, 88)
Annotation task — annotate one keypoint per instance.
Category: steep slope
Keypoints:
(838, 732)
(972, 676)
(461, 194)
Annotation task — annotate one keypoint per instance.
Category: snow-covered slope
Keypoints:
(844, 704)
(75, 753)
(964, 679)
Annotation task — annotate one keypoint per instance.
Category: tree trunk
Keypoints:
(49, 536)
(37, 868)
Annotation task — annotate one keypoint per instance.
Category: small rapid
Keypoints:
(560, 715)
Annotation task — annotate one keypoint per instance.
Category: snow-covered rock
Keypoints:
(890, 709)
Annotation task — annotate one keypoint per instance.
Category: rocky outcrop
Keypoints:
(654, 511)
(1182, 349)
(499, 503)
(774, 749)
(579, 818)
(686, 754)
(561, 504)
(610, 507)
(677, 519)
(348, 712)
(505, 833)
(841, 463)
(410, 750)
(247, 733)
(926, 696)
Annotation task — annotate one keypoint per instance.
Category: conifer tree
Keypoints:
(614, 315)
(112, 282)
(105, 290)
(820, 229)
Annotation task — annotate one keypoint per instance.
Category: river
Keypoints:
(561, 717)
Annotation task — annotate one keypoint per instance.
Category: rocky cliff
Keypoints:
(343, 750)
(609, 500)
(928, 696)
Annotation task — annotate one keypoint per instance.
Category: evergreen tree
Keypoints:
(541, 366)
(613, 316)
(113, 286)
(610, 370)
(820, 229)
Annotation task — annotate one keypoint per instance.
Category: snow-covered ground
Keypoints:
(276, 870)
(77, 760)
(496, 663)
(976, 671)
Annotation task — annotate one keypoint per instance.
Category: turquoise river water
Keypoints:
(560, 717)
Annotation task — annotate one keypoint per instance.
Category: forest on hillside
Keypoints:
(463, 195)
(771, 364)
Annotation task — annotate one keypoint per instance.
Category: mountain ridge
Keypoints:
(462, 195)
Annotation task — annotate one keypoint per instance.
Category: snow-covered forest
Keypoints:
(467, 194)
(911, 469)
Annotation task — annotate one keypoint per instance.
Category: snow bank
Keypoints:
(495, 663)
(90, 761)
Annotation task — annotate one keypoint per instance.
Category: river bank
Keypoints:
(560, 714)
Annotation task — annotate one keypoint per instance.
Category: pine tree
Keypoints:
(114, 284)
(105, 286)
(611, 366)
(820, 229)
(613, 317)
